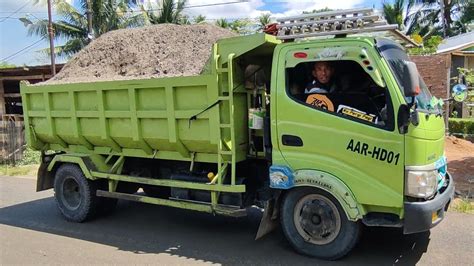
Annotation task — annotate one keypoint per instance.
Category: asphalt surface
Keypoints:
(32, 231)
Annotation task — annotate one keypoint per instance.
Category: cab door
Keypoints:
(367, 156)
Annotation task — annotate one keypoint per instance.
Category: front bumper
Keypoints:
(422, 216)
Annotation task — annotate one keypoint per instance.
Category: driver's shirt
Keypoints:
(318, 87)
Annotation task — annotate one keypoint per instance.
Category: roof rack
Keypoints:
(341, 22)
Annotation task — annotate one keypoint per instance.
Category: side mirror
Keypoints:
(459, 92)
(405, 117)
(411, 85)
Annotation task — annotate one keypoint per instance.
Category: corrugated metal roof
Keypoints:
(457, 42)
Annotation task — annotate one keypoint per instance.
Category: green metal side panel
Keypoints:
(261, 43)
(141, 117)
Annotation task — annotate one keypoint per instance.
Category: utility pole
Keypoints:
(89, 20)
(51, 39)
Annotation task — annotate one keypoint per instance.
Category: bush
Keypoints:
(30, 157)
(461, 126)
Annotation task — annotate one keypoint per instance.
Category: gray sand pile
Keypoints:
(164, 50)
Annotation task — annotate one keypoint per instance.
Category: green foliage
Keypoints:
(223, 23)
(199, 19)
(430, 45)
(23, 170)
(426, 18)
(394, 13)
(318, 10)
(433, 41)
(240, 26)
(4, 64)
(168, 11)
(468, 74)
(461, 126)
(463, 205)
(30, 157)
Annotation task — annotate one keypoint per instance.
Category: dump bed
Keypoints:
(148, 118)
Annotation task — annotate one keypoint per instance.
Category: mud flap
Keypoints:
(269, 220)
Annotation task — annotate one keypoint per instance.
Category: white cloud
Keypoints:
(7, 6)
(297, 7)
(248, 9)
(254, 8)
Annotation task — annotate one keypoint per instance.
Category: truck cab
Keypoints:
(372, 147)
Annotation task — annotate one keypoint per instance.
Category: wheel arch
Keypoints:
(332, 185)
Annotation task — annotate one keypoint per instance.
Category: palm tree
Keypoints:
(439, 17)
(240, 26)
(168, 11)
(72, 26)
(223, 23)
(263, 20)
(199, 19)
(394, 13)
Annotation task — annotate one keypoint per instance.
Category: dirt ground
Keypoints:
(460, 154)
(164, 50)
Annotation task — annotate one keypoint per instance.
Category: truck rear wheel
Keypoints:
(75, 194)
(315, 224)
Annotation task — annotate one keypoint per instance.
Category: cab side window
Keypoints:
(342, 88)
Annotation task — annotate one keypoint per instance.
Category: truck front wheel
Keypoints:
(315, 224)
(75, 194)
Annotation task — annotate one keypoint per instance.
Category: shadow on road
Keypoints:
(141, 228)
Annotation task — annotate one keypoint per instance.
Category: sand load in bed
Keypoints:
(164, 50)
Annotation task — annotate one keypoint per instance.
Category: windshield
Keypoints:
(397, 58)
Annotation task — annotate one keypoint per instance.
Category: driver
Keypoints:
(323, 81)
(322, 84)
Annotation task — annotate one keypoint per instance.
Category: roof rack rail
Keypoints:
(340, 22)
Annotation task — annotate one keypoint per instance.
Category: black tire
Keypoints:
(75, 194)
(315, 224)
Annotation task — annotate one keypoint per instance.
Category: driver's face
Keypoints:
(322, 72)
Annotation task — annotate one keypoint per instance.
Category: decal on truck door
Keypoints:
(375, 152)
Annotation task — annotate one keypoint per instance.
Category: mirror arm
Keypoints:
(413, 103)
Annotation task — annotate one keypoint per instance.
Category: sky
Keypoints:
(17, 48)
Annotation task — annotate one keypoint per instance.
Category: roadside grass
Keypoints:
(462, 205)
(20, 170)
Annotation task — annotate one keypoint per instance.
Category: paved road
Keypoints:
(33, 232)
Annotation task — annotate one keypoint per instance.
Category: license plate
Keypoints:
(434, 216)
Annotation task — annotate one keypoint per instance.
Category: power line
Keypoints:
(4, 18)
(16, 11)
(25, 49)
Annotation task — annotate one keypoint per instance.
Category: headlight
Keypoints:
(421, 184)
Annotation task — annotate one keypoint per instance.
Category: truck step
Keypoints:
(221, 209)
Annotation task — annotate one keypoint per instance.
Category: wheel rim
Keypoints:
(71, 193)
(317, 219)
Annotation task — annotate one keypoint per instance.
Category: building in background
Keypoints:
(459, 52)
(12, 141)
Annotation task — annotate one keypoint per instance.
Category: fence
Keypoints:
(12, 139)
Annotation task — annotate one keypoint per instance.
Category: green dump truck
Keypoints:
(367, 151)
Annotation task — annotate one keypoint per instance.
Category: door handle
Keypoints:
(290, 140)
